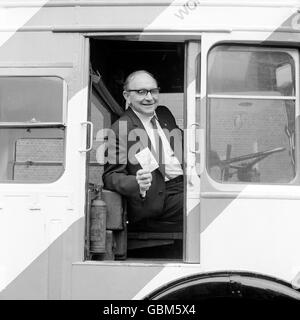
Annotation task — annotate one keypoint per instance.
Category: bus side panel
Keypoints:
(49, 275)
(41, 228)
(121, 280)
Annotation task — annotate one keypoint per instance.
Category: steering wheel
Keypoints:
(245, 170)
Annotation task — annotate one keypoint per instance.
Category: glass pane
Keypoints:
(39, 149)
(37, 173)
(31, 155)
(31, 99)
(251, 140)
(250, 71)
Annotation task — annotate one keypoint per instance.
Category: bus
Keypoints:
(228, 71)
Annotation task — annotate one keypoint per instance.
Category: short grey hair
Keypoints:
(133, 74)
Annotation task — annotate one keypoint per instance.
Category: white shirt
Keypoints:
(172, 165)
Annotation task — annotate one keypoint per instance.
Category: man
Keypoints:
(154, 195)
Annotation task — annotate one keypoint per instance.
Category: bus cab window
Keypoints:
(251, 114)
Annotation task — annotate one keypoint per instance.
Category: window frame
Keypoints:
(38, 73)
(190, 255)
(238, 185)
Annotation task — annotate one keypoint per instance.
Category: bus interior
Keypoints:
(111, 61)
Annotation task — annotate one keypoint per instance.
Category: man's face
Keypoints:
(144, 104)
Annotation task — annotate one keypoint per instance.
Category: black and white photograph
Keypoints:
(150, 154)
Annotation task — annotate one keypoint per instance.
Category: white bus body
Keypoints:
(246, 233)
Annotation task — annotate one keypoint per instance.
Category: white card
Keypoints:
(147, 160)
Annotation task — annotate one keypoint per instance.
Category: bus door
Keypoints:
(43, 108)
(249, 180)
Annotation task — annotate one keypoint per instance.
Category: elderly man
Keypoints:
(145, 158)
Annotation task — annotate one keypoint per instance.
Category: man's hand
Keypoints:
(144, 178)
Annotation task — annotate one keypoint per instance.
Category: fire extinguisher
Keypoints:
(98, 224)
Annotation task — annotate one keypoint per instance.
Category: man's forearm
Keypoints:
(122, 183)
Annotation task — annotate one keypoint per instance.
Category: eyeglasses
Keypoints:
(144, 92)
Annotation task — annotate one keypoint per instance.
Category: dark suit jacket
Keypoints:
(127, 137)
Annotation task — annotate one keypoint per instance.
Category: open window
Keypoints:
(110, 63)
